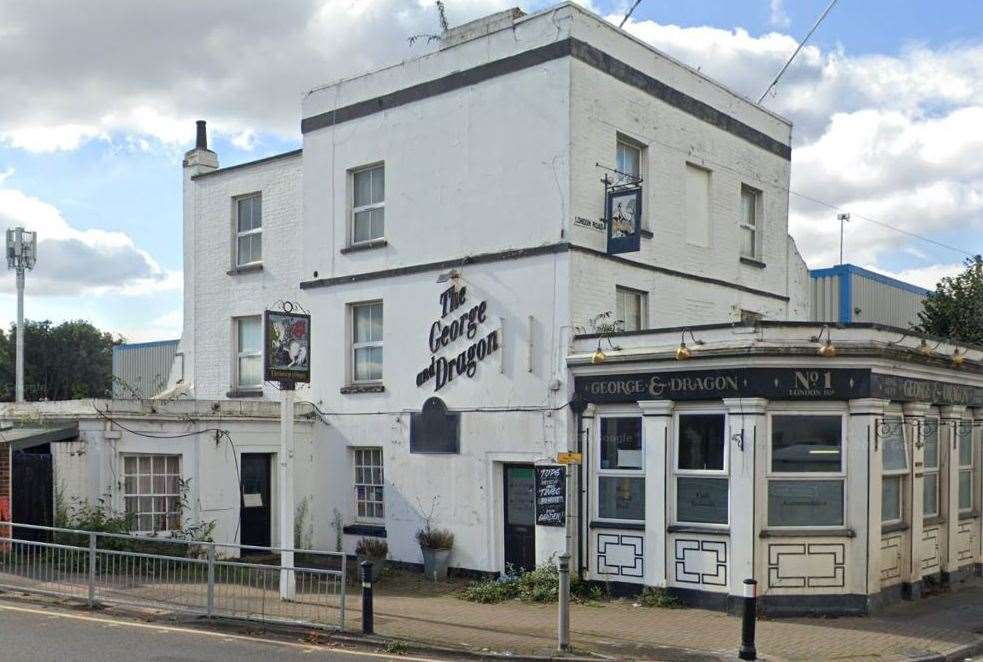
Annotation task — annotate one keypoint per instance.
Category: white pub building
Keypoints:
(446, 225)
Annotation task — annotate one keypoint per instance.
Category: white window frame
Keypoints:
(364, 345)
(808, 476)
(617, 473)
(754, 228)
(239, 354)
(628, 144)
(717, 474)
(896, 474)
(966, 468)
(235, 227)
(369, 207)
(643, 297)
(933, 470)
(153, 493)
(356, 451)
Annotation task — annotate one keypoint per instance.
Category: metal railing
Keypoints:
(207, 578)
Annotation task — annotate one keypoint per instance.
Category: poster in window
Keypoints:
(287, 343)
(624, 215)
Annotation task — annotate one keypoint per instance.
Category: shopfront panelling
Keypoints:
(930, 549)
(816, 564)
(699, 561)
(893, 558)
(619, 555)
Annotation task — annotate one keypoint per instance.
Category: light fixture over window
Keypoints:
(683, 352)
(826, 349)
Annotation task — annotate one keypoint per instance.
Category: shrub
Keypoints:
(435, 538)
(372, 548)
(658, 597)
(539, 585)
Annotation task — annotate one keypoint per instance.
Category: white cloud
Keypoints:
(81, 262)
(777, 16)
(163, 327)
(927, 277)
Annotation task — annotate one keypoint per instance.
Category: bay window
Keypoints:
(806, 472)
(701, 469)
(894, 462)
(930, 479)
(621, 472)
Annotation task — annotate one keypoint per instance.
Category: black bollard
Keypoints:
(748, 650)
(367, 624)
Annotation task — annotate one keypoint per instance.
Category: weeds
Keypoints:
(539, 585)
(659, 597)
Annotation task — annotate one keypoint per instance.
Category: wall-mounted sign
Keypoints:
(624, 216)
(287, 339)
(551, 495)
(434, 429)
(458, 320)
(591, 223)
(570, 458)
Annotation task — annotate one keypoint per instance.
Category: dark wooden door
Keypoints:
(32, 488)
(520, 517)
(255, 518)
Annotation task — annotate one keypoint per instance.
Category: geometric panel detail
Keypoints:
(701, 561)
(930, 548)
(965, 538)
(891, 557)
(813, 565)
(619, 554)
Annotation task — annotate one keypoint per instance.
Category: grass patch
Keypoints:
(659, 597)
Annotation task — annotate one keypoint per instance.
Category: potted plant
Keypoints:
(436, 546)
(374, 550)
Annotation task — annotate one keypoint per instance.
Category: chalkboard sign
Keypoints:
(551, 495)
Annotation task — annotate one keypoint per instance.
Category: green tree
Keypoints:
(955, 309)
(67, 361)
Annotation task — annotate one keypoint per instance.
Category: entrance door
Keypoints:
(520, 517)
(33, 493)
(255, 515)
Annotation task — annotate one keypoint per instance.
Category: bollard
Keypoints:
(367, 625)
(563, 630)
(748, 650)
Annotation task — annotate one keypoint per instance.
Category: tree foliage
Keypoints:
(67, 361)
(955, 309)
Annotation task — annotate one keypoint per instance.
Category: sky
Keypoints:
(98, 102)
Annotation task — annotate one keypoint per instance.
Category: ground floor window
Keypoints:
(369, 485)
(894, 463)
(805, 486)
(701, 469)
(152, 492)
(621, 475)
(966, 466)
(930, 486)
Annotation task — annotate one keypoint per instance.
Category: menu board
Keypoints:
(551, 495)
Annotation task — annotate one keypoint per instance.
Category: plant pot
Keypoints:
(377, 566)
(435, 562)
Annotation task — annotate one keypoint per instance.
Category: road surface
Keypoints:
(33, 633)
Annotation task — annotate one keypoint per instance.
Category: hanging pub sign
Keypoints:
(287, 343)
(624, 216)
(551, 495)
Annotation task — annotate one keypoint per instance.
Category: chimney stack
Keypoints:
(201, 139)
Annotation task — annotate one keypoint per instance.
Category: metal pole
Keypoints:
(288, 582)
(92, 570)
(344, 587)
(748, 650)
(20, 336)
(211, 579)
(563, 633)
(368, 627)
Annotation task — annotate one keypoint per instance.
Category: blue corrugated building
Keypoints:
(847, 293)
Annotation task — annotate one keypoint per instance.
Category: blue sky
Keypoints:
(887, 102)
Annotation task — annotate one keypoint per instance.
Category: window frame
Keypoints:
(710, 474)
(753, 228)
(808, 476)
(642, 306)
(153, 494)
(617, 473)
(896, 474)
(236, 233)
(364, 519)
(623, 141)
(965, 468)
(238, 354)
(353, 210)
(932, 470)
(353, 345)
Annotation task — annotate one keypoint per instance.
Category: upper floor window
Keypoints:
(367, 342)
(368, 204)
(750, 206)
(249, 353)
(631, 308)
(249, 230)
(629, 162)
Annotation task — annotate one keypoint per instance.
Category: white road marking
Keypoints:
(109, 622)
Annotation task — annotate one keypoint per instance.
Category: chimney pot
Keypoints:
(201, 139)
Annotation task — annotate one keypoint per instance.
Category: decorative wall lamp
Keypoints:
(958, 357)
(451, 275)
(599, 356)
(826, 349)
(683, 352)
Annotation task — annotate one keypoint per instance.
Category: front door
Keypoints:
(255, 514)
(520, 517)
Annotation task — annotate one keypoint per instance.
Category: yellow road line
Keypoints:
(206, 633)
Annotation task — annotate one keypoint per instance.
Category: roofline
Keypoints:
(266, 159)
(141, 345)
(852, 269)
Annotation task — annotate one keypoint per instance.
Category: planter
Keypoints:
(377, 566)
(435, 562)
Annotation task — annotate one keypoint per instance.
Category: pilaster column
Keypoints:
(914, 415)
(656, 431)
(952, 417)
(978, 450)
(863, 489)
(584, 483)
(746, 442)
